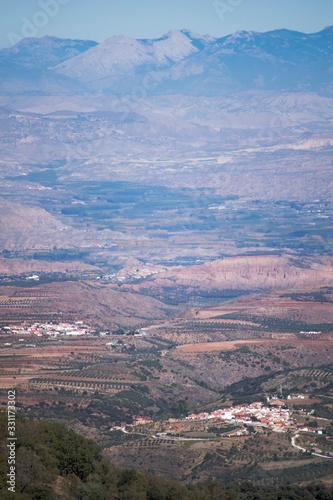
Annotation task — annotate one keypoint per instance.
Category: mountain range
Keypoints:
(178, 62)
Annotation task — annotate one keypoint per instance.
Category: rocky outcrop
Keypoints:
(246, 273)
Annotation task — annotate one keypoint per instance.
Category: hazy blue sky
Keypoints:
(100, 19)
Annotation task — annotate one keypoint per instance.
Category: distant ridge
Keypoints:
(44, 52)
(182, 61)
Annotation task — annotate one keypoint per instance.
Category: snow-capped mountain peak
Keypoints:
(174, 46)
(123, 54)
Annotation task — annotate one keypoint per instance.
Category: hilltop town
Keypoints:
(277, 418)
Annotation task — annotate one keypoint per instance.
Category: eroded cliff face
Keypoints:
(245, 273)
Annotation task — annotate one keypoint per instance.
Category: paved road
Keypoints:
(293, 443)
(175, 438)
(321, 456)
(11, 348)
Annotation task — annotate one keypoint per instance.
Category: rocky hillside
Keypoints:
(244, 273)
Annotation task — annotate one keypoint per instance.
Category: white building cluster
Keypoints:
(134, 274)
(51, 329)
(277, 418)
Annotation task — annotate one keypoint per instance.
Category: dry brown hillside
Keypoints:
(245, 272)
